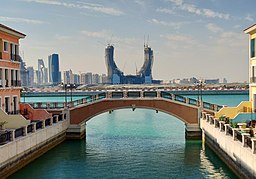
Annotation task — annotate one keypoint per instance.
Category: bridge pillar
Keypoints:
(76, 131)
(193, 132)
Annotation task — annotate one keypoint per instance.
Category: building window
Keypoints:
(252, 48)
(253, 74)
(5, 46)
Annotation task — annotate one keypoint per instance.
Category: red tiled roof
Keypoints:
(8, 28)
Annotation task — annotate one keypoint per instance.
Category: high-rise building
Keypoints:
(54, 72)
(86, 78)
(77, 79)
(45, 76)
(146, 70)
(116, 76)
(95, 79)
(23, 73)
(104, 78)
(40, 69)
(68, 77)
(30, 76)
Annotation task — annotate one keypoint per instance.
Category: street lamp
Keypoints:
(199, 85)
(65, 89)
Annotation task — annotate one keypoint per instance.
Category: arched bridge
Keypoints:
(186, 109)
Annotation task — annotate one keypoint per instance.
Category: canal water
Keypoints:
(133, 144)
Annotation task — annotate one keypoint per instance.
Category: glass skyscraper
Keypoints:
(54, 71)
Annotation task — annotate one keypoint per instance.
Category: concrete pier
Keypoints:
(193, 132)
(76, 131)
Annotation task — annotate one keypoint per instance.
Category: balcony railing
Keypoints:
(6, 83)
(13, 112)
(16, 83)
(15, 57)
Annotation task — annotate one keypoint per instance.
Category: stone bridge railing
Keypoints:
(127, 95)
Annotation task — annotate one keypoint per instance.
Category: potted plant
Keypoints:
(222, 118)
(234, 124)
(2, 123)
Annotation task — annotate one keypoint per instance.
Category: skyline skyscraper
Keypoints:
(54, 72)
(116, 76)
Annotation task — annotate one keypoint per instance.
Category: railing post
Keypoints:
(51, 121)
(158, 94)
(33, 127)
(43, 124)
(173, 96)
(25, 130)
(253, 145)
(221, 125)
(125, 94)
(244, 141)
(226, 128)
(215, 107)
(187, 100)
(215, 123)
(234, 133)
(57, 119)
(141, 94)
(12, 135)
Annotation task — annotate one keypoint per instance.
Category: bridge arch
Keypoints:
(186, 113)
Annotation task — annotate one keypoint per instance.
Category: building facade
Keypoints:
(252, 64)
(68, 77)
(9, 69)
(54, 71)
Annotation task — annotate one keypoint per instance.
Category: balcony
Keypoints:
(15, 57)
(16, 83)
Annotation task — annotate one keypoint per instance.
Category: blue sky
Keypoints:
(200, 38)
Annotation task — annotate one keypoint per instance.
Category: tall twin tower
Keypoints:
(116, 76)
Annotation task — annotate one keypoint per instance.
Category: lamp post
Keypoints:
(199, 85)
(65, 90)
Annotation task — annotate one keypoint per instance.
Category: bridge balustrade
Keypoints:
(5, 137)
(150, 94)
(117, 94)
(208, 106)
(133, 94)
(48, 122)
(30, 128)
(39, 125)
(192, 101)
(166, 95)
(248, 141)
(180, 98)
(230, 131)
(19, 132)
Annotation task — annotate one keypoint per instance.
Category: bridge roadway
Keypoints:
(80, 111)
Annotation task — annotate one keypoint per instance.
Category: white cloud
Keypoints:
(62, 37)
(178, 38)
(249, 18)
(95, 34)
(82, 5)
(164, 23)
(191, 8)
(20, 20)
(233, 39)
(165, 10)
(213, 28)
